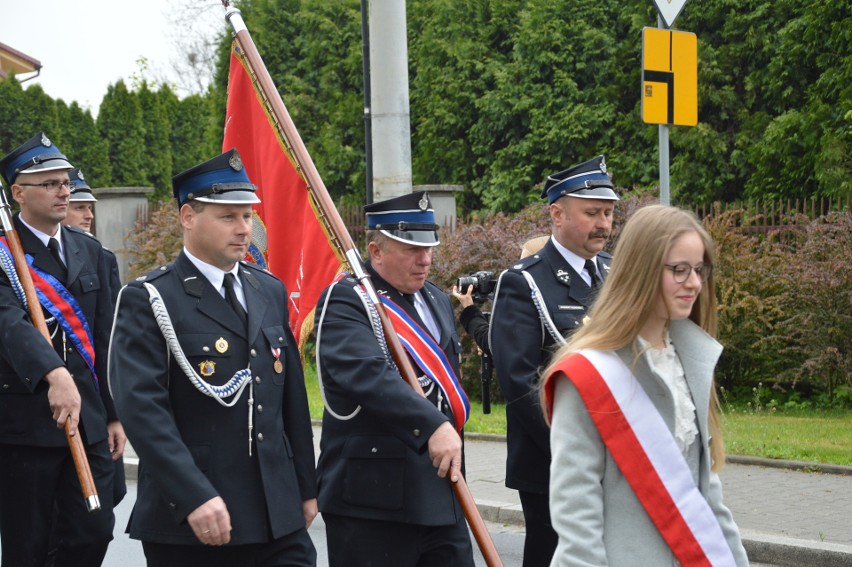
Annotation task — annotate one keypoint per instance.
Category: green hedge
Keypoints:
(785, 298)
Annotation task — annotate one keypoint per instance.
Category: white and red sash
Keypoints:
(429, 357)
(644, 449)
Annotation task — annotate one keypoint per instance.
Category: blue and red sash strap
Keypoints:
(644, 449)
(430, 359)
(59, 302)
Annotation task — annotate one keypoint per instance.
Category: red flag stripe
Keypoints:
(297, 247)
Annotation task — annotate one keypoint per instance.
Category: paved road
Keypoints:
(787, 517)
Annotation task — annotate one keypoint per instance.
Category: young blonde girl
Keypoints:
(654, 320)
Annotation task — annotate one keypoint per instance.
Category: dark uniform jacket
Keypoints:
(190, 447)
(25, 415)
(376, 465)
(521, 347)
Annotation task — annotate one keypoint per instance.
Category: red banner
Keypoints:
(288, 239)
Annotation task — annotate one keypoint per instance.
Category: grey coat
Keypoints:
(594, 510)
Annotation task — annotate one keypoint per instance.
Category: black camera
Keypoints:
(483, 284)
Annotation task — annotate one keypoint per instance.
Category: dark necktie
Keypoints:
(590, 267)
(231, 296)
(53, 246)
(409, 297)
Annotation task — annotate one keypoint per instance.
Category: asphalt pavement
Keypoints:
(790, 513)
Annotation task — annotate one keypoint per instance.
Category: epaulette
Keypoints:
(257, 268)
(525, 263)
(81, 231)
(154, 274)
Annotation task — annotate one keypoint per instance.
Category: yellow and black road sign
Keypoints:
(669, 77)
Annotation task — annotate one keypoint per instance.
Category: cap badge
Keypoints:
(45, 141)
(423, 203)
(235, 162)
(603, 165)
(221, 345)
(80, 175)
(207, 368)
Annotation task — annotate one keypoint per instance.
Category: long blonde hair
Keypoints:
(627, 298)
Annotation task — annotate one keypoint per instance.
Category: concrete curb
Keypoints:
(761, 548)
(806, 466)
(790, 552)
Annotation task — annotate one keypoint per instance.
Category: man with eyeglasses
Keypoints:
(43, 386)
(538, 302)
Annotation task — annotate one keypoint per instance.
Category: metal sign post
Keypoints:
(664, 80)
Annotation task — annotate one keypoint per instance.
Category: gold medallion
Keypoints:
(207, 368)
(278, 366)
(221, 345)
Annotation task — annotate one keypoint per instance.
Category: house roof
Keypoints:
(13, 61)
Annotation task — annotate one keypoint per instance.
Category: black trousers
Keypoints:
(358, 542)
(292, 550)
(38, 482)
(541, 539)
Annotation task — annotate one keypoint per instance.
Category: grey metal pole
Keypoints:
(664, 149)
(390, 116)
(368, 127)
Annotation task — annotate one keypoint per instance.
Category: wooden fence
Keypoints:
(773, 215)
(757, 216)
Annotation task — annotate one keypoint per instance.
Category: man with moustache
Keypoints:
(43, 386)
(537, 303)
(208, 376)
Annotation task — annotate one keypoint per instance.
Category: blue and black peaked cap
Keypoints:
(221, 180)
(408, 218)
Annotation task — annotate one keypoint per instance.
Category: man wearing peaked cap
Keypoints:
(564, 275)
(81, 206)
(46, 385)
(213, 394)
(382, 499)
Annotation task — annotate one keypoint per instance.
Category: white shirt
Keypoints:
(216, 276)
(577, 262)
(46, 237)
(426, 316)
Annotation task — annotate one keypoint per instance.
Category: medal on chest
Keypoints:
(277, 366)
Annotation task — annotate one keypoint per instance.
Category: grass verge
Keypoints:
(803, 435)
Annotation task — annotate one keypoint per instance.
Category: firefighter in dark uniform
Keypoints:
(539, 301)
(208, 376)
(37, 474)
(381, 497)
(80, 215)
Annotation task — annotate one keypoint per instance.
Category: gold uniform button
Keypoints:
(260, 437)
(253, 353)
(416, 433)
(257, 379)
(259, 408)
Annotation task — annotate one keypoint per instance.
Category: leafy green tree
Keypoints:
(83, 144)
(191, 120)
(120, 124)
(157, 157)
(24, 113)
